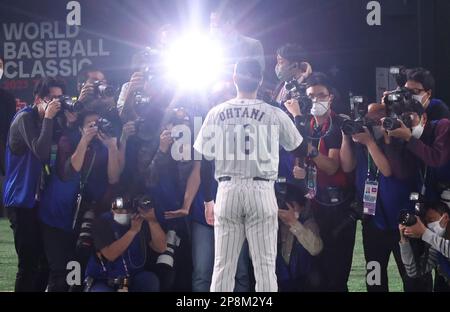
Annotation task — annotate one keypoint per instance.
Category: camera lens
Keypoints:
(407, 218)
(391, 123)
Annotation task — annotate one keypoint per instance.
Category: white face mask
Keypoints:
(1, 73)
(417, 131)
(419, 98)
(319, 108)
(122, 218)
(436, 228)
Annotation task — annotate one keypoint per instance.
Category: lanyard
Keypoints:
(371, 163)
(423, 178)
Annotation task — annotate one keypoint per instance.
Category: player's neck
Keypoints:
(246, 95)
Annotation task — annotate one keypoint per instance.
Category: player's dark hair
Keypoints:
(248, 75)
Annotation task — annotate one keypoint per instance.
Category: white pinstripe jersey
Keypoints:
(243, 137)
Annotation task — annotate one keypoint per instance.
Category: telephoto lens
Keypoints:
(167, 257)
(407, 218)
(391, 123)
(85, 237)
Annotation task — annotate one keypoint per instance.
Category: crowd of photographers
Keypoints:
(94, 180)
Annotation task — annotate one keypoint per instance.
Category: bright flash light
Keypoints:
(194, 62)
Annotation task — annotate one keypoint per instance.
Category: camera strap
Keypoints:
(370, 188)
(83, 182)
(423, 179)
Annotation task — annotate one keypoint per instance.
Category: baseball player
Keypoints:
(243, 136)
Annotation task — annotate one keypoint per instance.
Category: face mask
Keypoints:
(319, 108)
(285, 73)
(419, 98)
(1, 73)
(436, 228)
(122, 218)
(417, 131)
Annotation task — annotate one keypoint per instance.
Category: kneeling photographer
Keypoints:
(122, 238)
(299, 242)
(434, 231)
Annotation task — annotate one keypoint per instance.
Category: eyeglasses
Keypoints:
(416, 91)
(318, 97)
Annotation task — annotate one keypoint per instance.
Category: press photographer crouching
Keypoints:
(434, 230)
(299, 242)
(122, 238)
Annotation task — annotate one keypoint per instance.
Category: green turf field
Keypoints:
(8, 263)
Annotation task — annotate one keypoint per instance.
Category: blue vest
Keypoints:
(134, 255)
(22, 175)
(393, 194)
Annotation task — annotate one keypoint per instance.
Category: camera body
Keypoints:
(298, 91)
(70, 104)
(408, 218)
(105, 126)
(143, 202)
(359, 108)
(102, 90)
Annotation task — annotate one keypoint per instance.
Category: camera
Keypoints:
(359, 108)
(408, 218)
(297, 91)
(399, 101)
(102, 90)
(143, 202)
(167, 257)
(391, 123)
(280, 192)
(105, 126)
(141, 100)
(70, 103)
(85, 237)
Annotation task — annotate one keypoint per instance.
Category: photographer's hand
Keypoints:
(403, 238)
(128, 130)
(293, 107)
(364, 138)
(53, 107)
(89, 132)
(417, 230)
(136, 223)
(299, 173)
(148, 215)
(136, 82)
(165, 140)
(87, 91)
(288, 216)
(403, 132)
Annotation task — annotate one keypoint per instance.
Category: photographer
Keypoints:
(8, 109)
(121, 238)
(437, 255)
(27, 150)
(364, 153)
(299, 242)
(422, 84)
(329, 187)
(290, 65)
(96, 95)
(428, 142)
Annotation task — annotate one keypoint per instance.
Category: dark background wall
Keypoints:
(333, 32)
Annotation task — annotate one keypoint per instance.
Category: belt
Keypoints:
(227, 178)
